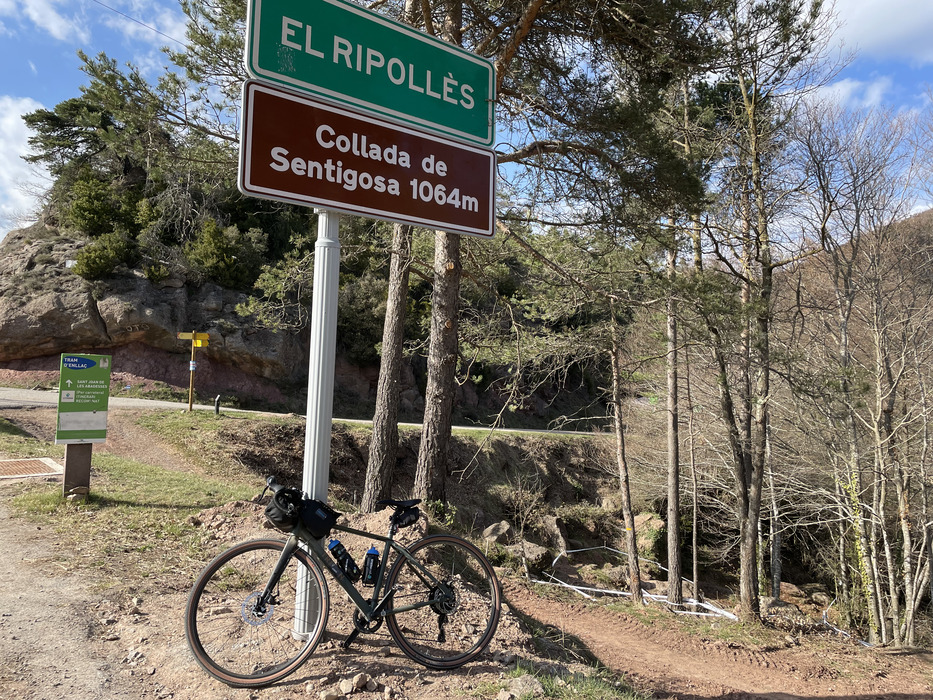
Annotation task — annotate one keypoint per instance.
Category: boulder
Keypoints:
(497, 531)
(536, 557)
(46, 310)
(555, 532)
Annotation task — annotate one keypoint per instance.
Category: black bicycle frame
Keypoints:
(368, 608)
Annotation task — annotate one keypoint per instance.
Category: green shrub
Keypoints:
(228, 257)
(91, 210)
(361, 306)
(97, 207)
(101, 257)
(156, 273)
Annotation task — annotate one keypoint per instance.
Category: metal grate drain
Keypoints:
(38, 466)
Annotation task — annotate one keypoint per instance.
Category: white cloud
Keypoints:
(19, 181)
(45, 15)
(858, 93)
(154, 25)
(888, 29)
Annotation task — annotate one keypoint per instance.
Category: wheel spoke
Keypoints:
(244, 644)
(457, 605)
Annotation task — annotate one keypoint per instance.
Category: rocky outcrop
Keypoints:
(45, 310)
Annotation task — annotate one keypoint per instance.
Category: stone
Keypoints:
(822, 599)
(497, 531)
(346, 686)
(526, 685)
(537, 558)
(555, 531)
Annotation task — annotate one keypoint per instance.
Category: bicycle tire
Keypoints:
(444, 632)
(234, 643)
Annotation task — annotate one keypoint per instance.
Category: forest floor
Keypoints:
(66, 631)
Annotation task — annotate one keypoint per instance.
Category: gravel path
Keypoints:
(44, 629)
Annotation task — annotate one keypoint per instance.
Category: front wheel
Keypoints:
(242, 640)
(446, 604)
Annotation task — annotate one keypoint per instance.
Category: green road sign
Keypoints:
(83, 395)
(337, 50)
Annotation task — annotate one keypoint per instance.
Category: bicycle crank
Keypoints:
(364, 625)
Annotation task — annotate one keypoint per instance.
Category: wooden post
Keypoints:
(198, 340)
(77, 477)
(191, 367)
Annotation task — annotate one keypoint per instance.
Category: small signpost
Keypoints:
(83, 396)
(198, 340)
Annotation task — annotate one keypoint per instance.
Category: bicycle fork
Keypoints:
(268, 593)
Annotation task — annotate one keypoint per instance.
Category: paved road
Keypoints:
(18, 398)
(14, 398)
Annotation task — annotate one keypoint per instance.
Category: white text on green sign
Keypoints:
(338, 50)
(83, 397)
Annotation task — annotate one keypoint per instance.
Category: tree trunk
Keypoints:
(384, 445)
(694, 487)
(431, 472)
(776, 571)
(628, 517)
(675, 592)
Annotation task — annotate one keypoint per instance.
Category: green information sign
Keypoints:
(83, 395)
(337, 50)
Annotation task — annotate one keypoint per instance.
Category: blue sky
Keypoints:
(39, 40)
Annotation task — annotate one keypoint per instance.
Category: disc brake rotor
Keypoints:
(252, 613)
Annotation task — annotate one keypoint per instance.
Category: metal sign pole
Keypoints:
(322, 358)
(316, 474)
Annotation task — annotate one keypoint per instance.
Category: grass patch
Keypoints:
(195, 435)
(133, 526)
(599, 685)
(159, 391)
(18, 443)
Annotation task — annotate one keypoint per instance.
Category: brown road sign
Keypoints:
(297, 149)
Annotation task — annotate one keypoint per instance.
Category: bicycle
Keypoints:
(258, 610)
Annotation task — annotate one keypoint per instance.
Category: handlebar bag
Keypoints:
(282, 510)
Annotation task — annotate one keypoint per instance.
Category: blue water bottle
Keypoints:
(344, 560)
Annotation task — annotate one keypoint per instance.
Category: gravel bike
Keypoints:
(259, 609)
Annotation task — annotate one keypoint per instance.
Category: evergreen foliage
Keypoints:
(101, 257)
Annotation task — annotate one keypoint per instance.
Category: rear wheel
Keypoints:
(243, 641)
(448, 619)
